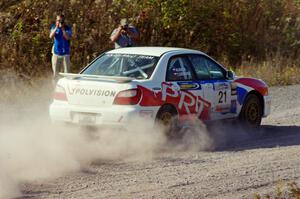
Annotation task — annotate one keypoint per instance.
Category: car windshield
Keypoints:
(125, 65)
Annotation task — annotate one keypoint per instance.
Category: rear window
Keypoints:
(124, 65)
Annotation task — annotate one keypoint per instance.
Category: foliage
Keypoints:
(235, 31)
(275, 71)
(291, 190)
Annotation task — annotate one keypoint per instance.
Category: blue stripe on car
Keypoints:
(241, 94)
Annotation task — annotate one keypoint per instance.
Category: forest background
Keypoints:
(259, 38)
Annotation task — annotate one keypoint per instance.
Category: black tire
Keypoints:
(167, 117)
(251, 113)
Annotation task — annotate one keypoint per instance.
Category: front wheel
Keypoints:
(251, 113)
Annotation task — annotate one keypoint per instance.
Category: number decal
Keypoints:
(222, 95)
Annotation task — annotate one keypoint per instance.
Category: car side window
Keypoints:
(199, 63)
(215, 71)
(179, 69)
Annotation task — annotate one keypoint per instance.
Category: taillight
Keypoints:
(60, 93)
(128, 97)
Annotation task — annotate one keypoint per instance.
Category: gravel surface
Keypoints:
(237, 168)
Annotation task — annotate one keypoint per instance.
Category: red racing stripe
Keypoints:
(256, 84)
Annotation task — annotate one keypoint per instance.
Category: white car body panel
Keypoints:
(90, 101)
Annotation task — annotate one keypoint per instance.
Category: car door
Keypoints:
(181, 76)
(216, 88)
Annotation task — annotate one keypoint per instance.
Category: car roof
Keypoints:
(152, 51)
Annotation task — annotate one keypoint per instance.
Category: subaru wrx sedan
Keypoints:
(157, 83)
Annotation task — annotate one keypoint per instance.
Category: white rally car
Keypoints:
(157, 83)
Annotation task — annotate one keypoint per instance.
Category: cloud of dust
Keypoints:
(32, 148)
(194, 135)
(212, 136)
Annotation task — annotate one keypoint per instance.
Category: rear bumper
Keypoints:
(267, 106)
(115, 116)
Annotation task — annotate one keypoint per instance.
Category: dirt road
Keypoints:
(237, 168)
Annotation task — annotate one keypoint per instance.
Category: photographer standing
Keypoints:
(125, 35)
(62, 34)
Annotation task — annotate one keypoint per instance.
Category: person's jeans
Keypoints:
(59, 61)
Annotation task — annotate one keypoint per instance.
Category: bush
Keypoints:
(234, 31)
(290, 191)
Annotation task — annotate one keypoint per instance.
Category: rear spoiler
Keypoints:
(97, 77)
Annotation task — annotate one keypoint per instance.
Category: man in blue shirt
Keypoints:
(125, 35)
(62, 34)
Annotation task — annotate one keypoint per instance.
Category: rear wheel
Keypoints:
(251, 113)
(167, 117)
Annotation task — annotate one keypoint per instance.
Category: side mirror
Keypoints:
(230, 74)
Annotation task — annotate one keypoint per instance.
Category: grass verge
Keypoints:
(275, 72)
(283, 191)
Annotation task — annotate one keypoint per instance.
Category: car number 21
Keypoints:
(222, 97)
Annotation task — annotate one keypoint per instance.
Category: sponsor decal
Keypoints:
(179, 69)
(221, 86)
(233, 108)
(223, 109)
(91, 92)
(130, 56)
(185, 101)
(182, 74)
(189, 85)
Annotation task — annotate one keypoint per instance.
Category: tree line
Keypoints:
(232, 31)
